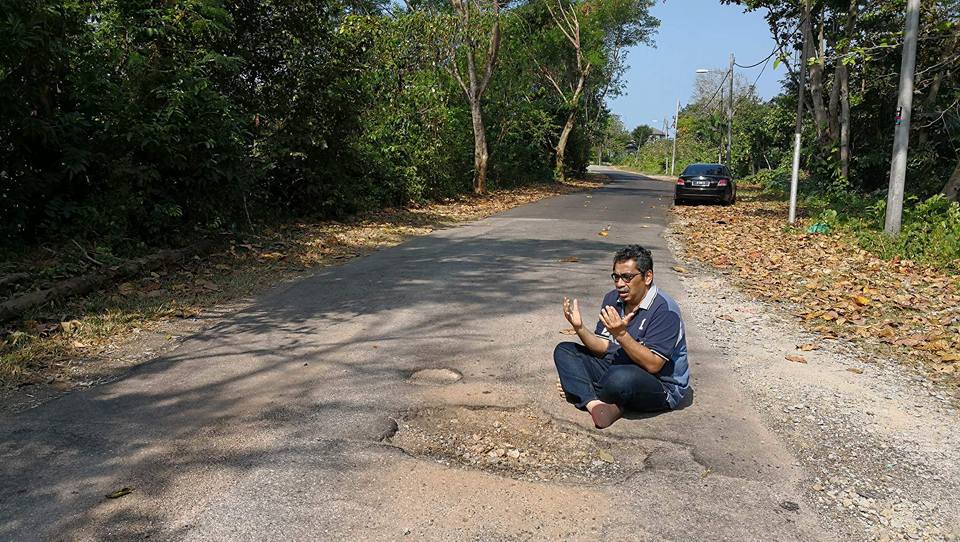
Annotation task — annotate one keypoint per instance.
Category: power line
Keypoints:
(719, 88)
(802, 20)
(758, 63)
(753, 86)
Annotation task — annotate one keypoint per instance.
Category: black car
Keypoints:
(711, 182)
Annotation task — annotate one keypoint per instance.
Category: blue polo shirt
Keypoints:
(658, 326)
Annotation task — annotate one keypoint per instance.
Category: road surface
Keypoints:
(278, 423)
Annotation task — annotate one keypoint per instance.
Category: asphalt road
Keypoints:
(270, 425)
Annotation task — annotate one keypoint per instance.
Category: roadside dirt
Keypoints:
(878, 436)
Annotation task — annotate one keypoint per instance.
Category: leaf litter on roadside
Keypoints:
(835, 288)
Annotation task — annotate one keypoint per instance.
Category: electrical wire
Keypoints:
(802, 20)
(758, 63)
(753, 86)
(719, 88)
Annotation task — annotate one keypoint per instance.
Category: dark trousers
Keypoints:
(585, 377)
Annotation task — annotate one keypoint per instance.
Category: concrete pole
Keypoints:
(901, 135)
(676, 132)
(730, 117)
(666, 156)
(720, 147)
(795, 175)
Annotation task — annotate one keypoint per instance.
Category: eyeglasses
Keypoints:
(627, 277)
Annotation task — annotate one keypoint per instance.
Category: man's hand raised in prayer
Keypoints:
(571, 311)
(616, 325)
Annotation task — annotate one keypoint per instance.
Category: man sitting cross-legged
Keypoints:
(636, 358)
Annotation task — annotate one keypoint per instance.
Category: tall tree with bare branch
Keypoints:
(477, 21)
(581, 44)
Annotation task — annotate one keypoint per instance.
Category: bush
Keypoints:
(775, 182)
(929, 234)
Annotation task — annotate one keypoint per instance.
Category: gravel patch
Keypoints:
(520, 444)
(879, 439)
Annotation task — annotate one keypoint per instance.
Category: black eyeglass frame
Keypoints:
(618, 276)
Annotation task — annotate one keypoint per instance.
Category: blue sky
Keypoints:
(693, 34)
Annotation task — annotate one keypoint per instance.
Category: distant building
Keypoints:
(656, 134)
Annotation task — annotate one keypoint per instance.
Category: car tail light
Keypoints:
(680, 182)
(723, 182)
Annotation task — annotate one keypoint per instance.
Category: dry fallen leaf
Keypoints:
(808, 347)
(70, 326)
(569, 259)
(726, 317)
(796, 358)
(855, 370)
(605, 456)
(568, 331)
(603, 233)
(207, 285)
(119, 493)
(679, 269)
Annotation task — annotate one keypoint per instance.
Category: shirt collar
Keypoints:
(647, 300)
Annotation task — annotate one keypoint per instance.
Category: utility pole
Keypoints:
(666, 157)
(795, 175)
(676, 132)
(901, 135)
(720, 129)
(730, 117)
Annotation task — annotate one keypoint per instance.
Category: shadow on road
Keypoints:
(319, 360)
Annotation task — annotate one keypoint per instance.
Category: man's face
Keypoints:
(631, 292)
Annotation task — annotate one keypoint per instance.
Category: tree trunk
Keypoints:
(952, 189)
(843, 81)
(844, 121)
(816, 76)
(833, 109)
(562, 144)
(480, 154)
(476, 85)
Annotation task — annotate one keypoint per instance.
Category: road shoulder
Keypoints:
(879, 442)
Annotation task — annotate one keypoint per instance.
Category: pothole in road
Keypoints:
(436, 376)
(520, 444)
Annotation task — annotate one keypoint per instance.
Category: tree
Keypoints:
(578, 42)
(854, 60)
(475, 18)
(641, 134)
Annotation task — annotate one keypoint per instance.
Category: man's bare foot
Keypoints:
(603, 414)
(563, 394)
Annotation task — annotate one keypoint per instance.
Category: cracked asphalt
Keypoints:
(277, 422)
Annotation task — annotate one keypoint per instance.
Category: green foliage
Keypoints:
(125, 121)
(930, 231)
(641, 134)
(774, 182)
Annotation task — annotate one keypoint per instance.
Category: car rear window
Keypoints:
(703, 169)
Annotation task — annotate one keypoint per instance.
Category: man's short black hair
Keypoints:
(638, 253)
